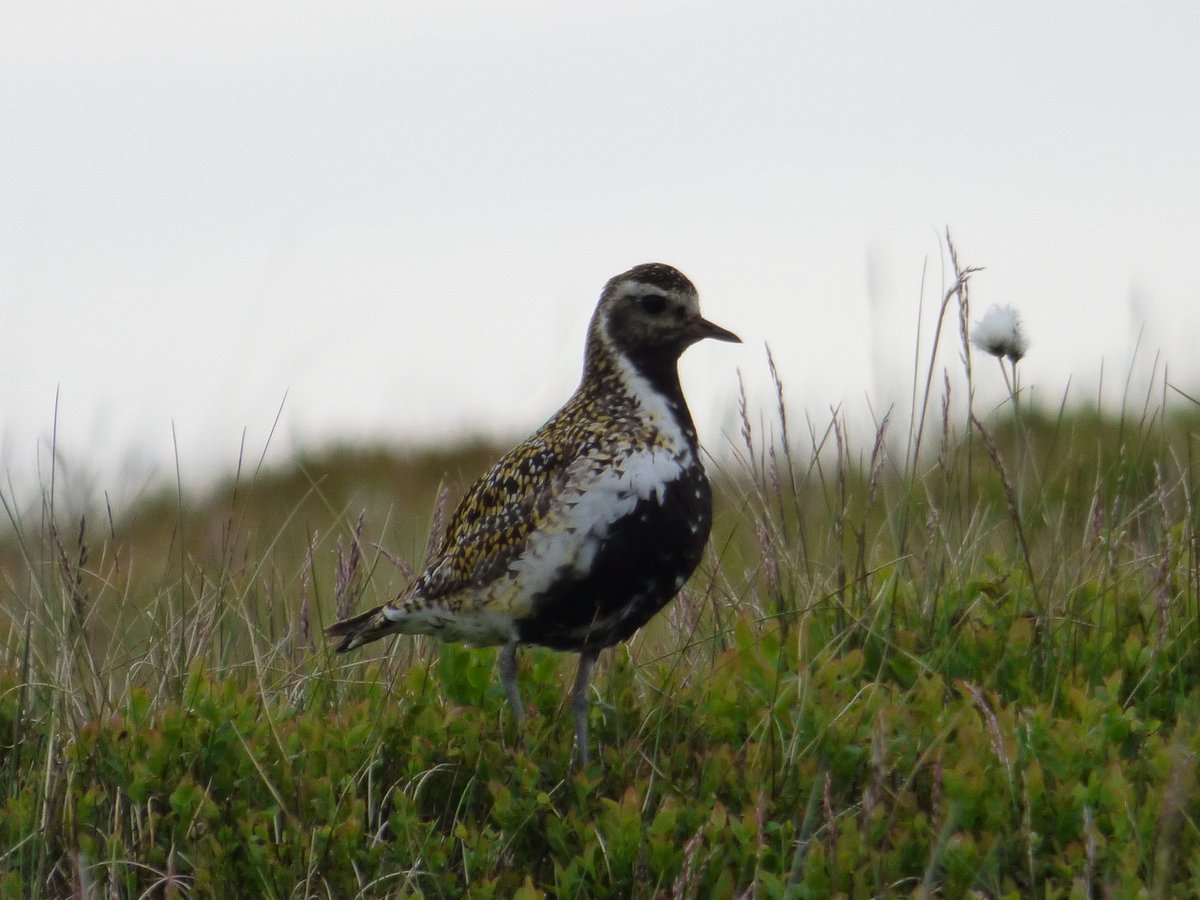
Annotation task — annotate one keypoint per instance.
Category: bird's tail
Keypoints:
(361, 629)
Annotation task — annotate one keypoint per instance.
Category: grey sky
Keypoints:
(400, 215)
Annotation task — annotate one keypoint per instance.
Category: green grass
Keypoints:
(977, 671)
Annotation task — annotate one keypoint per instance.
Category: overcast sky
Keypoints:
(399, 215)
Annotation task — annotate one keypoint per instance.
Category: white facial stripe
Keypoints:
(637, 288)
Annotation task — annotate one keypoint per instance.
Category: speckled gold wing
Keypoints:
(492, 524)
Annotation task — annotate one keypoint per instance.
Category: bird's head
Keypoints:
(652, 312)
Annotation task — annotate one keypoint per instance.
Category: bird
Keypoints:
(579, 535)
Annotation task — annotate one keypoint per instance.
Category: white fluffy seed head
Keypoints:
(999, 333)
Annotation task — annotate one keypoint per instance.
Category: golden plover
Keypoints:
(577, 537)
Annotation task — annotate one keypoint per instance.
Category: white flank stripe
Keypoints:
(600, 495)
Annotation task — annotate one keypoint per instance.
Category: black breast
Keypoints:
(640, 567)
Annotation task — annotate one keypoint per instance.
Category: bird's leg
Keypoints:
(508, 677)
(579, 702)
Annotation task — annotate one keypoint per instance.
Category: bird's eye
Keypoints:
(653, 303)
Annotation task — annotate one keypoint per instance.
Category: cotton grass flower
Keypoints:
(999, 333)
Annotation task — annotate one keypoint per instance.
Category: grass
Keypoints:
(964, 658)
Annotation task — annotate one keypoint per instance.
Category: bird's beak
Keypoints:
(705, 329)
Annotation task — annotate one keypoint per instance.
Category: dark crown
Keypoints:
(655, 274)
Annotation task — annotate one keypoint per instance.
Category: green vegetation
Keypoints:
(976, 672)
